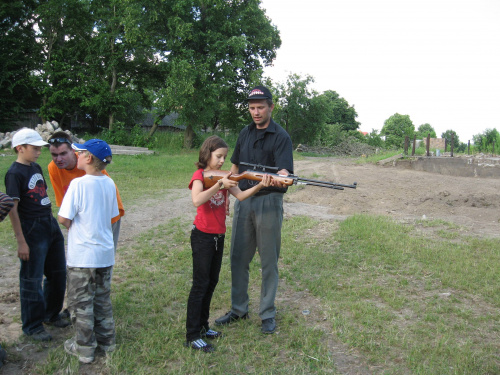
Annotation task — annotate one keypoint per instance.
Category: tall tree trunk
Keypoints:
(154, 128)
(51, 39)
(159, 117)
(111, 121)
(44, 103)
(112, 92)
(188, 137)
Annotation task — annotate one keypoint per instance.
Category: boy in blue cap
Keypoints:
(86, 210)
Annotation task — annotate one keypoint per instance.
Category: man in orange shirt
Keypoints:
(62, 169)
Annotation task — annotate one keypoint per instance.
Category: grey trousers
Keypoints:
(256, 225)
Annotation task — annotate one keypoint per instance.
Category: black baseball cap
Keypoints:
(260, 92)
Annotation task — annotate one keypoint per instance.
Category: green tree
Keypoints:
(396, 128)
(424, 130)
(299, 109)
(105, 59)
(64, 28)
(123, 59)
(340, 112)
(448, 135)
(484, 142)
(100, 59)
(374, 139)
(215, 51)
(18, 53)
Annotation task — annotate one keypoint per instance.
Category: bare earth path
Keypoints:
(471, 203)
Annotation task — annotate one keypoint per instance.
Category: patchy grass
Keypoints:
(367, 291)
(384, 154)
(404, 303)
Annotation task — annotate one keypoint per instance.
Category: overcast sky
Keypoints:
(437, 61)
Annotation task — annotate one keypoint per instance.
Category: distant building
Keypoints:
(167, 122)
(436, 143)
(28, 119)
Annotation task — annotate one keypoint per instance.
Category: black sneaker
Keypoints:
(229, 318)
(41, 336)
(59, 323)
(268, 325)
(65, 314)
(211, 334)
(200, 345)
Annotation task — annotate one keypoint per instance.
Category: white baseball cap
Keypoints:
(27, 136)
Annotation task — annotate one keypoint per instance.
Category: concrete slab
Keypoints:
(129, 150)
(463, 166)
(390, 160)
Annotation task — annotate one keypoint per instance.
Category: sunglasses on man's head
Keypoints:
(59, 140)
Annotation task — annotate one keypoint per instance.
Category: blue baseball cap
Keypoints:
(96, 147)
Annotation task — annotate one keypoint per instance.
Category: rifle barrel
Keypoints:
(333, 185)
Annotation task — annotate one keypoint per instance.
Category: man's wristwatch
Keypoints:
(221, 184)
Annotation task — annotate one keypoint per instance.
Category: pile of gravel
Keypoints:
(45, 130)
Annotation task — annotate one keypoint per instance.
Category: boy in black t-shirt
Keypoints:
(40, 243)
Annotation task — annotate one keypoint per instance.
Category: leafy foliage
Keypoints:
(121, 135)
(215, 49)
(484, 142)
(330, 135)
(94, 65)
(374, 139)
(340, 112)
(424, 130)
(299, 109)
(18, 89)
(396, 128)
(323, 120)
(448, 135)
(103, 60)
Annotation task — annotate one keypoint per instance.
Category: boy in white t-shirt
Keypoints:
(86, 210)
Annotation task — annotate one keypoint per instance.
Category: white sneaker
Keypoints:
(70, 346)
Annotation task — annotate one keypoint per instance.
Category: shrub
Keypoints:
(121, 135)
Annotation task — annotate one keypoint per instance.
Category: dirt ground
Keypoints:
(471, 203)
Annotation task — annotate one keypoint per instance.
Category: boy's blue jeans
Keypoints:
(47, 257)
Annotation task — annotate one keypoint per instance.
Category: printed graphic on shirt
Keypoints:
(217, 199)
(37, 190)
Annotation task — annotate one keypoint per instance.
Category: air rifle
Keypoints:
(257, 173)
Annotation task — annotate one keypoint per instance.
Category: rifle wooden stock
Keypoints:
(210, 178)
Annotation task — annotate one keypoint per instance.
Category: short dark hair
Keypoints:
(58, 138)
(211, 144)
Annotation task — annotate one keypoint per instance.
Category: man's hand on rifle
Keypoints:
(278, 184)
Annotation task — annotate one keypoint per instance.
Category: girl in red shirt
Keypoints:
(207, 238)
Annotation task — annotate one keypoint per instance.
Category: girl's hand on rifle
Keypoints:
(227, 182)
(277, 183)
(266, 181)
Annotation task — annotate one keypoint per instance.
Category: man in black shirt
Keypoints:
(257, 220)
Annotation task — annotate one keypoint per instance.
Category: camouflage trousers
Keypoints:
(89, 303)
